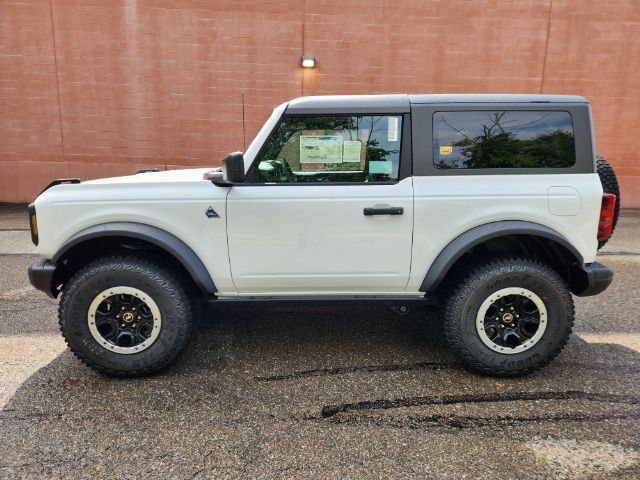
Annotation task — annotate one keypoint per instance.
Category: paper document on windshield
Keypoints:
(352, 150)
(321, 148)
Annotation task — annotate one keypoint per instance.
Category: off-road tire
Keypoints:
(609, 183)
(168, 288)
(483, 280)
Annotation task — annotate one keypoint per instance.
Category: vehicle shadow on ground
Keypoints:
(248, 372)
(262, 349)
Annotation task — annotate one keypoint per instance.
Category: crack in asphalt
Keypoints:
(332, 410)
(33, 417)
(319, 372)
(459, 422)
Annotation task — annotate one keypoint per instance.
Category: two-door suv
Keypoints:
(488, 206)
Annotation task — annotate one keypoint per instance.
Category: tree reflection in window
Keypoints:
(503, 139)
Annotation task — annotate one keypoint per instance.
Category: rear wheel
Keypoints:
(508, 317)
(126, 316)
(609, 183)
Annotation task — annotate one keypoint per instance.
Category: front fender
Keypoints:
(154, 235)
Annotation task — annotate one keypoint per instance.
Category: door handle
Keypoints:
(383, 211)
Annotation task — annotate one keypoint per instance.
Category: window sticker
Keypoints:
(351, 151)
(446, 150)
(380, 167)
(392, 129)
(321, 148)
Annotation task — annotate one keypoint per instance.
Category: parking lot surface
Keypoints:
(320, 393)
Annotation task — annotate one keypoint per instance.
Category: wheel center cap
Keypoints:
(127, 317)
(507, 318)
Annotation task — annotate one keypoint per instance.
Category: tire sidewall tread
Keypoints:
(610, 184)
(462, 305)
(165, 286)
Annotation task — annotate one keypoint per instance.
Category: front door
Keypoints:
(325, 210)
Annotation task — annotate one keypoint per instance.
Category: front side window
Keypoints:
(360, 148)
(503, 139)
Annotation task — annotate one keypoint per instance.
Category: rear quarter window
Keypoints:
(503, 139)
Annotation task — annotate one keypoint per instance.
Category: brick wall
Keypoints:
(94, 88)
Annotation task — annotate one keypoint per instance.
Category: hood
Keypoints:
(167, 186)
(185, 175)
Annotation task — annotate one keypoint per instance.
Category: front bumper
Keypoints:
(41, 275)
(590, 279)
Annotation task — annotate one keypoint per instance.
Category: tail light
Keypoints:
(607, 212)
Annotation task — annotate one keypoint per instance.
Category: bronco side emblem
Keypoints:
(211, 213)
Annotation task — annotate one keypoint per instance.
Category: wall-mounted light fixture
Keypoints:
(308, 61)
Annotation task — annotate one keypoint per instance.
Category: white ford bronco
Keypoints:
(491, 207)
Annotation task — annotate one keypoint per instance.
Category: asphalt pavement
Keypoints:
(320, 393)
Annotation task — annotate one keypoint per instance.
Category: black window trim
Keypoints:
(404, 169)
(422, 136)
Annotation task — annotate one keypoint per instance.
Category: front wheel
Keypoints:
(508, 317)
(126, 316)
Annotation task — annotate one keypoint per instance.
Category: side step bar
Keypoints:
(329, 300)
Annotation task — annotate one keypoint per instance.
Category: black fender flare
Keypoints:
(154, 235)
(475, 236)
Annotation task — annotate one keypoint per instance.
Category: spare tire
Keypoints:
(609, 183)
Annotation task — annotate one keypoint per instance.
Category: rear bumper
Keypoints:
(41, 273)
(590, 279)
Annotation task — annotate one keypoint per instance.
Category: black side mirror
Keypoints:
(232, 170)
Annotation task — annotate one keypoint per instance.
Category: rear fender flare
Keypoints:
(477, 235)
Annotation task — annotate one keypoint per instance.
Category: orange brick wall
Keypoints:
(94, 88)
